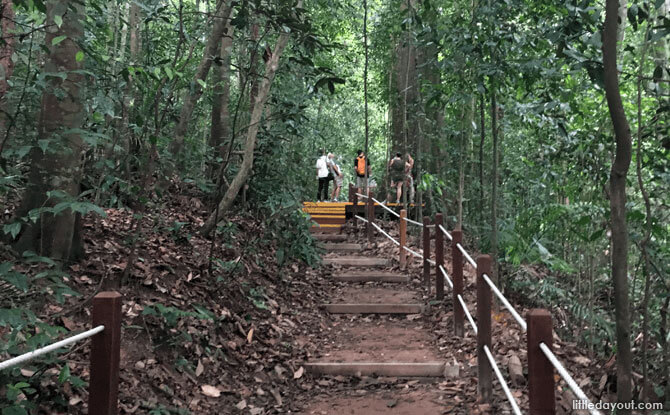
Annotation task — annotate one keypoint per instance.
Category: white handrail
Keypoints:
(503, 383)
(49, 348)
(431, 262)
(467, 313)
(446, 277)
(385, 207)
(507, 304)
(363, 219)
(451, 238)
(416, 254)
(413, 221)
(385, 234)
(566, 376)
(360, 195)
(466, 255)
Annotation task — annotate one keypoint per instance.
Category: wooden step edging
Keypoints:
(357, 262)
(371, 277)
(342, 247)
(390, 369)
(329, 237)
(374, 308)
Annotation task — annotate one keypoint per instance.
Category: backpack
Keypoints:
(398, 166)
(360, 165)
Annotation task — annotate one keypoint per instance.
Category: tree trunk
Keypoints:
(57, 169)
(220, 129)
(250, 143)
(482, 133)
(6, 62)
(194, 93)
(618, 175)
(494, 184)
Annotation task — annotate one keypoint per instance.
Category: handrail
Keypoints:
(50, 348)
(413, 222)
(507, 304)
(566, 376)
(501, 379)
(361, 218)
(386, 207)
(416, 254)
(446, 277)
(385, 234)
(360, 195)
(467, 314)
(466, 255)
(446, 233)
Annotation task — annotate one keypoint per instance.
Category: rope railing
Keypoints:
(466, 255)
(385, 234)
(517, 317)
(49, 348)
(361, 218)
(537, 325)
(360, 195)
(386, 207)
(503, 383)
(467, 314)
(446, 233)
(566, 376)
(446, 276)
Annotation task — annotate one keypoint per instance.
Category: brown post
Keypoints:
(105, 354)
(439, 258)
(370, 215)
(540, 370)
(402, 226)
(355, 209)
(457, 279)
(426, 252)
(351, 192)
(484, 370)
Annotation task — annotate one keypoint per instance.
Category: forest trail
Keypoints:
(378, 331)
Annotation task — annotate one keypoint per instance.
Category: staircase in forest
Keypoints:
(328, 217)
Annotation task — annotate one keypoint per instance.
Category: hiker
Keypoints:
(409, 180)
(399, 171)
(338, 177)
(359, 166)
(322, 172)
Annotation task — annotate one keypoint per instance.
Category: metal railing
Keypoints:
(104, 357)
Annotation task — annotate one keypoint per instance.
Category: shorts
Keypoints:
(360, 182)
(338, 181)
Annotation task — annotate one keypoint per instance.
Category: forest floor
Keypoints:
(235, 340)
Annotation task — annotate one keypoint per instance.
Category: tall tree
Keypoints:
(57, 167)
(618, 175)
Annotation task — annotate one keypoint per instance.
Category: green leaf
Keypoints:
(79, 56)
(169, 72)
(14, 410)
(12, 229)
(57, 40)
(58, 20)
(64, 374)
(202, 83)
(18, 280)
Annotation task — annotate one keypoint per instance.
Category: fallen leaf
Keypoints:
(199, 369)
(250, 335)
(298, 373)
(241, 404)
(211, 391)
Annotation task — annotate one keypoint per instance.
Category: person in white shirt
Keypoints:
(322, 171)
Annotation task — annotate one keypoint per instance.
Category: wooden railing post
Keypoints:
(402, 227)
(457, 275)
(352, 191)
(484, 370)
(105, 355)
(426, 252)
(355, 209)
(540, 371)
(439, 258)
(370, 215)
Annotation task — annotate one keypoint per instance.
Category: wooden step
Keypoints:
(357, 261)
(374, 308)
(329, 220)
(371, 276)
(325, 229)
(390, 369)
(329, 237)
(342, 247)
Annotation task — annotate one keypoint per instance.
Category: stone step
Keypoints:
(347, 247)
(330, 237)
(357, 261)
(390, 369)
(374, 308)
(371, 276)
